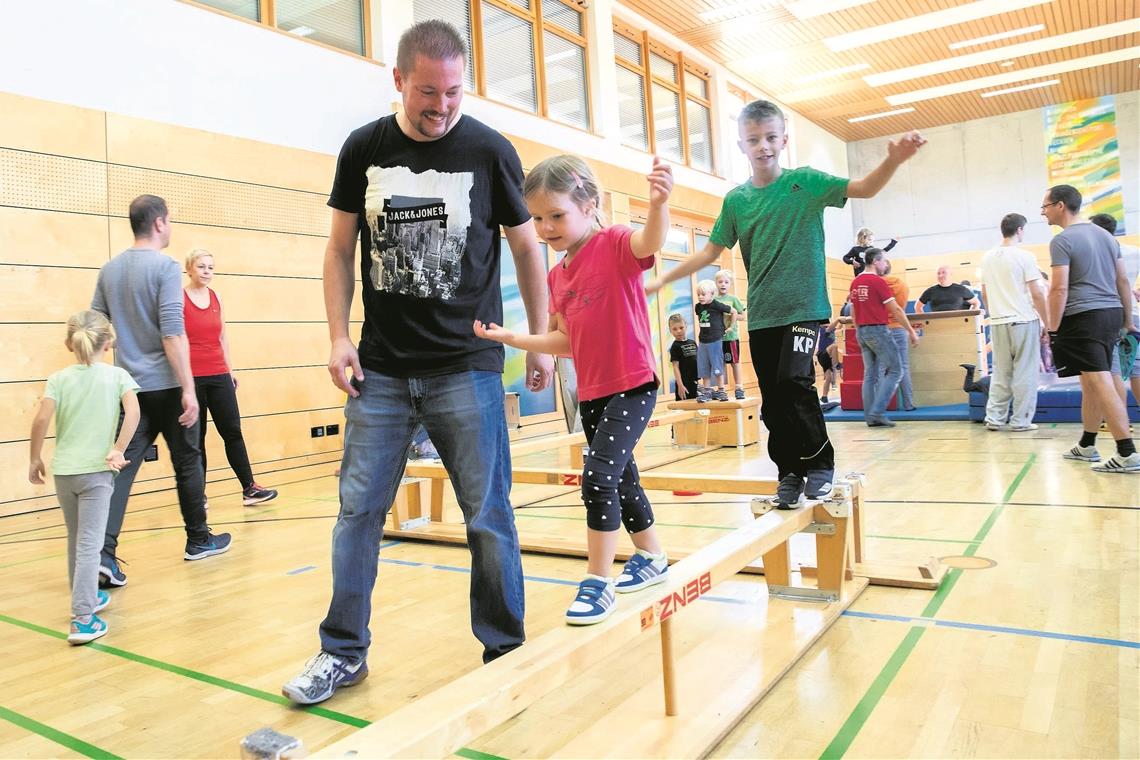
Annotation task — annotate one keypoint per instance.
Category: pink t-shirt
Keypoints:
(601, 298)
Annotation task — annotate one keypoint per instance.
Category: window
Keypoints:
(652, 79)
(530, 54)
(338, 23)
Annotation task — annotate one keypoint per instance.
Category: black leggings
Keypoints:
(216, 393)
(611, 485)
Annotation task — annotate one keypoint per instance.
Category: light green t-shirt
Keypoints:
(730, 299)
(86, 415)
(780, 231)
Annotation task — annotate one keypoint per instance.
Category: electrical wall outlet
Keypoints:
(317, 432)
(332, 429)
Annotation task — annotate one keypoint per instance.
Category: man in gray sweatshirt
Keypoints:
(140, 291)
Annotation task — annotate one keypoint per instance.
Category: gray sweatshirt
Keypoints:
(140, 291)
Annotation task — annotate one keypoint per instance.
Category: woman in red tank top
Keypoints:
(214, 380)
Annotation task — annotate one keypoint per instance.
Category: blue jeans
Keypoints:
(902, 343)
(880, 370)
(463, 414)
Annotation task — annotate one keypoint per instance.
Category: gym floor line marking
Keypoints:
(55, 735)
(1104, 641)
(870, 699)
(300, 570)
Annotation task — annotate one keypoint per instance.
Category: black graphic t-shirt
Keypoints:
(684, 352)
(951, 297)
(429, 216)
(710, 321)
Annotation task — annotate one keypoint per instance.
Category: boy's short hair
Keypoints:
(1106, 222)
(675, 319)
(1011, 223)
(724, 273)
(761, 110)
(708, 285)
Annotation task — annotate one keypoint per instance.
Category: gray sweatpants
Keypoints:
(1017, 358)
(85, 501)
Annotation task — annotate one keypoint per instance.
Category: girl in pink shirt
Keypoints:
(600, 316)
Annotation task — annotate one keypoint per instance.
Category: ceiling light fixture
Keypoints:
(738, 9)
(1008, 52)
(981, 83)
(881, 115)
(927, 22)
(1021, 88)
(996, 37)
(1006, 64)
(805, 9)
(833, 73)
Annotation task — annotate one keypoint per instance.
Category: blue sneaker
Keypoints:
(110, 574)
(81, 633)
(594, 602)
(218, 544)
(323, 675)
(640, 571)
(1127, 348)
(102, 599)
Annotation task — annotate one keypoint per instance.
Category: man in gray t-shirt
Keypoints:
(140, 291)
(1089, 303)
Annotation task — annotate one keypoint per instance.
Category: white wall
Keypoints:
(952, 195)
(179, 64)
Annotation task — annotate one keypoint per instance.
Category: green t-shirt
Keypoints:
(86, 415)
(780, 231)
(731, 300)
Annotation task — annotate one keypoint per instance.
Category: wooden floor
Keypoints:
(1036, 656)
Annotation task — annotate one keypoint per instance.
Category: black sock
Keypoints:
(1125, 448)
(1088, 439)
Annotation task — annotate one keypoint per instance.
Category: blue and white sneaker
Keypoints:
(110, 574)
(102, 599)
(594, 602)
(81, 633)
(214, 544)
(323, 675)
(642, 569)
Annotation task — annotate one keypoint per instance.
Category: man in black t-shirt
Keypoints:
(947, 295)
(425, 192)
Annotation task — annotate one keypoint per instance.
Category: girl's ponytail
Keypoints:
(87, 332)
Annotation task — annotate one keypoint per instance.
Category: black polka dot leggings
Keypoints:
(611, 485)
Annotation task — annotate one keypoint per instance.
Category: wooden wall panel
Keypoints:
(308, 343)
(239, 251)
(46, 127)
(47, 238)
(44, 294)
(32, 351)
(277, 299)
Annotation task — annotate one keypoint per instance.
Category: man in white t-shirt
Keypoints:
(1013, 292)
(1130, 255)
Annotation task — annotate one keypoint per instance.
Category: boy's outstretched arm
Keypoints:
(898, 152)
(706, 256)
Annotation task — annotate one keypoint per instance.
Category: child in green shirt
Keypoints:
(731, 342)
(85, 399)
(777, 218)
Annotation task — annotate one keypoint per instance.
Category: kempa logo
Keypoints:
(665, 608)
(804, 341)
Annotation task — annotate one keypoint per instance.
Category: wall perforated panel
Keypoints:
(52, 183)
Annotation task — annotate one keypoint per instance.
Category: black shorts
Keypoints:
(1085, 341)
(731, 351)
(824, 360)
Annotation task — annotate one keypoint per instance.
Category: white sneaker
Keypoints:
(1083, 453)
(996, 425)
(1117, 463)
(1024, 428)
(323, 675)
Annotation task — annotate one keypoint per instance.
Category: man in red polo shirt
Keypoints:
(873, 305)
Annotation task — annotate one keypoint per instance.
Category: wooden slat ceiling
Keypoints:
(795, 50)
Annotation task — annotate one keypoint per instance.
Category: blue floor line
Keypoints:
(300, 570)
(1124, 643)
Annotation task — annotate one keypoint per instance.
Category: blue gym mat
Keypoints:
(944, 412)
(1058, 400)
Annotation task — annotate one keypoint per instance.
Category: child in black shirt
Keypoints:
(713, 318)
(683, 356)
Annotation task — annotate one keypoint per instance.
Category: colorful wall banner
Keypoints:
(1082, 151)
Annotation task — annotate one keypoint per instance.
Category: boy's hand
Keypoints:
(660, 182)
(36, 471)
(116, 461)
(653, 286)
(682, 392)
(905, 147)
(492, 332)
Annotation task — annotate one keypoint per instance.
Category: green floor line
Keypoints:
(918, 538)
(474, 754)
(866, 705)
(55, 735)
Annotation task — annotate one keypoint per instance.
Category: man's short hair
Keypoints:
(1011, 223)
(871, 255)
(761, 110)
(1107, 221)
(433, 39)
(145, 210)
(1068, 195)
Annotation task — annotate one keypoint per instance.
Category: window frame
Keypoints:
(267, 19)
(684, 67)
(538, 26)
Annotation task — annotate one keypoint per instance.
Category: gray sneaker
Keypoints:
(323, 675)
(819, 487)
(790, 492)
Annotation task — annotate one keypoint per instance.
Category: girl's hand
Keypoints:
(116, 461)
(660, 182)
(233, 378)
(36, 471)
(492, 332)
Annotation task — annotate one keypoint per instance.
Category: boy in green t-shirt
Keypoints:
(777, 218)
(731, 342)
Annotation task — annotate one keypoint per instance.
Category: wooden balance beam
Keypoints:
(437, 724)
